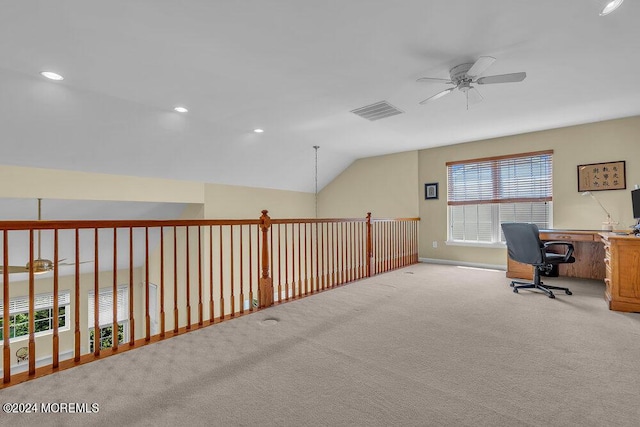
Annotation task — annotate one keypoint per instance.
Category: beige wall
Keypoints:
(383, 185)
(214, 200)
(232, 202)
(24, 182)
(591, 143)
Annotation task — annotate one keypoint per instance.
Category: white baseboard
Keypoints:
(43, 361)
(462, 263)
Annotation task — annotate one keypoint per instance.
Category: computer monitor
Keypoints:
(635, 202)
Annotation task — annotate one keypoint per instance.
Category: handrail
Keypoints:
(155, 279)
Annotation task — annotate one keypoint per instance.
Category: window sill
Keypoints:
(36, 335)
(497, 245)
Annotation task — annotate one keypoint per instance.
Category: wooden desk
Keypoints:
(588, 252)
(622, 281)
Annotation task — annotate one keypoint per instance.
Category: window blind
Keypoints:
(506, 179)
(105, 306)
(41, 301)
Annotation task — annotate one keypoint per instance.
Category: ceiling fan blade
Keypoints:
(73, 263)
(473, 96)
(480, 66)
(438, 95)
(502, 78)
(434, 79)
(14, 269)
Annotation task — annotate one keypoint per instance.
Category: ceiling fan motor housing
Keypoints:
(459, 74)
(41, 265)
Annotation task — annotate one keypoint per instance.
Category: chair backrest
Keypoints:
(523, 242)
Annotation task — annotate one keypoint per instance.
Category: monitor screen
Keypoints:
(635, 201)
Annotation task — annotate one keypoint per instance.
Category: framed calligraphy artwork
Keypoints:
(602, 176)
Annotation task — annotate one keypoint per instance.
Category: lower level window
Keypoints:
(106, 336)
(44, 317)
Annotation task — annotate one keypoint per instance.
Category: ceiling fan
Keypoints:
(40, 265)
(464, 75)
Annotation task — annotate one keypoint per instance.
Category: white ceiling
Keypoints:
(295, 68)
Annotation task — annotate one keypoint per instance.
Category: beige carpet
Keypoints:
(425, 345)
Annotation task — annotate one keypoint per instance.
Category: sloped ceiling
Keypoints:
(295, 68)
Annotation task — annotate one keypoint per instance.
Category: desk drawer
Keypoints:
(574, 237)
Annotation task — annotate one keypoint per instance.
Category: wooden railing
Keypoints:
(124, 284)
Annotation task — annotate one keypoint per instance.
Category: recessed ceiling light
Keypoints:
(51, 75)
(610, 7)
(181, 109)
(258, 130)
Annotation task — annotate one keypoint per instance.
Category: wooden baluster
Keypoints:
(306, 264)
(31, 322)
(360, 246)
(258, 266)
(132, 330)
(250, 271)
(343, 255)
(272, 254)
(316, 286)
(322, 257)
(387, 245)
(211, 308)
(97, 335)
(147, 316)
(286, 262)
(352, 251)
(300, 286)
(266, 283)
(176, 319)
(232, 296)
(241, 273)
(334, 253)
(369, 253)
(279, 262)
(187, 277)
(221, 277)
(200, 283)
(162, 313)
(55, 315)
(76, 314)
(6, 346)
(114, 312)
(394, 243)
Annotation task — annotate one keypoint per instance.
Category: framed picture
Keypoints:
(602, 176)
(431, 191)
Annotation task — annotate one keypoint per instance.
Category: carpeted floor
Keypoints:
(425, 345)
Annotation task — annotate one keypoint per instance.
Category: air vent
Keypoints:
(377, 111)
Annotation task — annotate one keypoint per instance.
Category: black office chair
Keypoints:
(524, 245)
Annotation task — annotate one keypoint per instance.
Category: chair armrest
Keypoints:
(568, 250)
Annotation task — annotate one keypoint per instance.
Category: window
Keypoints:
(105, 316)
(106, 336)
(44, 316)
(483, 193)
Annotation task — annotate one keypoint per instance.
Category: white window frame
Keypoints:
(493, 237)
(105, 298)
(20, 305)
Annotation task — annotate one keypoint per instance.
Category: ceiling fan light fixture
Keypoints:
(610, 7)
(51, 75)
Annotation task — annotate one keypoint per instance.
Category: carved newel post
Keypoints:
(265, 296)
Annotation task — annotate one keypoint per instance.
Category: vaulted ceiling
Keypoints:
(295, 68)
